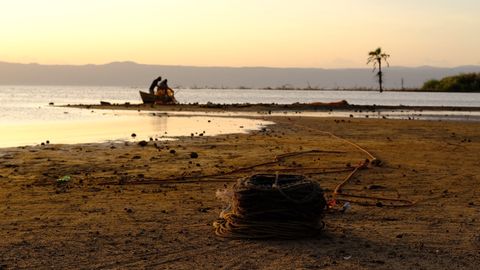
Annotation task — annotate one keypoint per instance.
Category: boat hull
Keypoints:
(148, 98)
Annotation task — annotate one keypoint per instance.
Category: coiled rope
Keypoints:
(273, 206)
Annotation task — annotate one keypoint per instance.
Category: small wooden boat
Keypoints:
(148, 98)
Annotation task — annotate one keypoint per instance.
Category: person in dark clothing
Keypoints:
(162, 88)
(163, 85)
(154, 84)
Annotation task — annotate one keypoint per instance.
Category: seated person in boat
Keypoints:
(162, 88)
(165, 92)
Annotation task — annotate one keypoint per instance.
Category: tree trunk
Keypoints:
(380, 74)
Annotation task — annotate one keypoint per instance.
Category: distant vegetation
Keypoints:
(469, 82)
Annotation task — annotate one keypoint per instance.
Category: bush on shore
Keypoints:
(469, 82)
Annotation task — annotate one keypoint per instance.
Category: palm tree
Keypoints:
(376, 58)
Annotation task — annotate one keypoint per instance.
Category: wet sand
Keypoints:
(152, 207)
(265, 108)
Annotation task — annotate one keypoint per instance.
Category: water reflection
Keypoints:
(118, 126)
(159, 124)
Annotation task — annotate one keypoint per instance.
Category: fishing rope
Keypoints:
(238, 221)
(336, 195)
(273, 206)
(198, 178)
(337, 192)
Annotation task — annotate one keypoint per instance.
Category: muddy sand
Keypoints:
(266, 108)
(128, 206)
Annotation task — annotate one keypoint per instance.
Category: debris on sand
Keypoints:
(64, 179)
(142, 143)
(375, 187)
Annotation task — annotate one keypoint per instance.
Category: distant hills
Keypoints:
(131, 74)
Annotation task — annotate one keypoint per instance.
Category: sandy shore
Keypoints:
(133, 207)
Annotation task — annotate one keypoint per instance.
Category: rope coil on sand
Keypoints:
(273, 206)
(255, 214)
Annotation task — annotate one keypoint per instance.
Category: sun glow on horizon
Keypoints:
(278, 33)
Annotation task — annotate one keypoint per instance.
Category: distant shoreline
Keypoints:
(127, 74)
(246, 107)
(416, 90)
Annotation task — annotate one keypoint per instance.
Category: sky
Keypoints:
(274, 33)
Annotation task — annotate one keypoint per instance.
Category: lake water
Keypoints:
(27, 118)
(119, 126)
(93, 94)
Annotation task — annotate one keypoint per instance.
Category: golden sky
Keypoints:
(278, 33)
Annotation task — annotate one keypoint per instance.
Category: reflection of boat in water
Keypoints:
(167, 98)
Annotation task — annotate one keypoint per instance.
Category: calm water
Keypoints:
(112, 127)
(26, 117)
(87, 94)
(25, 103)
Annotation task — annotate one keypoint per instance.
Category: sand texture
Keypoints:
(128, 206)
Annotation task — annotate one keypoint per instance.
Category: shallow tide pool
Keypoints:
(109, 126)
